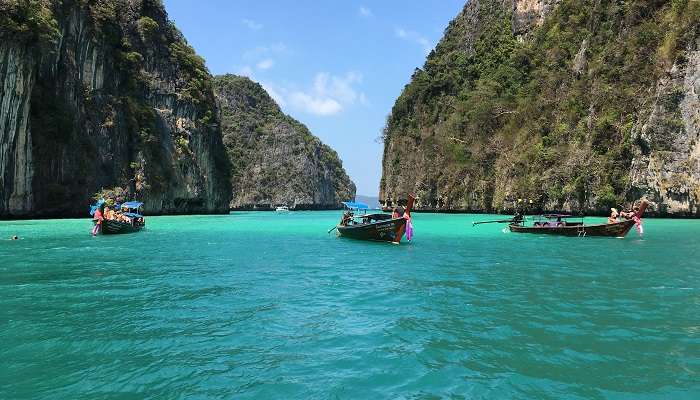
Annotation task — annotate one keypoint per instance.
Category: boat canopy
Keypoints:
(133, 215)
(132, 205)
(355, 206)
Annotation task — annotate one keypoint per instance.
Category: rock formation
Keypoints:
(276, 160)
(575, 105)
(101, 94)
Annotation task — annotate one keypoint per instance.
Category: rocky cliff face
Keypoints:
(100, 94)
(667, 168)
(575, 105)
(276, 160)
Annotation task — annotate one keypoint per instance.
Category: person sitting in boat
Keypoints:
(395, 213)
(614, 216)
(630, 214)
(109, 213)
(121, 217)
(347, 218)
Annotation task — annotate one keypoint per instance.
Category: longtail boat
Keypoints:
(127, 220)
(561, 224)
(376, 227)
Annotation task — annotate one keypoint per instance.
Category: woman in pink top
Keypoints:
(97, 218)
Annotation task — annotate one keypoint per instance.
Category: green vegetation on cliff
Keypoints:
(109, 95)
(27, 21)
(275, 159)
(550, 116)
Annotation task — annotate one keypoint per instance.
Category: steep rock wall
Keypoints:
(113, 97)
(575, 105)
(276, 160)
(16, 173)
(667, 168)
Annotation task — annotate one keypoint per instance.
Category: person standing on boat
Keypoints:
(97, 218)
(636, 216)
(517, 217)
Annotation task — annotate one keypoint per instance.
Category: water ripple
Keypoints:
(257, 305)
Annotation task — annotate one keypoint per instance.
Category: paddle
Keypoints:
(334, 228)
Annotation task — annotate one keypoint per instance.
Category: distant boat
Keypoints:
(282, 209)
(561, 225)
(376, 227)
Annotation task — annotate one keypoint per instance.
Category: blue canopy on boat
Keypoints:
(132, 215)
(132, 204)
(355, 206)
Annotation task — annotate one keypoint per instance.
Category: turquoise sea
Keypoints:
(269, 306)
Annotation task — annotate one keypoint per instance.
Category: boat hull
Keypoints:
(390, 230)
(110, 227)
(618, 229)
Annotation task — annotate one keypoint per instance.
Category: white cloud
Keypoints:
(266, 63)
(363, 99)
(251, 24)
(246, 70)
(315, 104)
(365, 12)
(338, 87)
(265, 51)
(414, 37)
(328, 94)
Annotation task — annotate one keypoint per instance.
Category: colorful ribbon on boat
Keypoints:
(409, 227)
(638, 224)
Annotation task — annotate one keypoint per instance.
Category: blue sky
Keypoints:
(335, 66)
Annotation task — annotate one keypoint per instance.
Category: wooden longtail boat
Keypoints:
(566, 228)
(559, 224)
(132, 220)
(377, 227)
(113, 227)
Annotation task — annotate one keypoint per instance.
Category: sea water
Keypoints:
(262, 305)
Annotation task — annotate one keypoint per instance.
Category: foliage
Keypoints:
(146, 26)
(199, 86)
(112, 196)
(501, 98)
(255, 130)
(27, 21)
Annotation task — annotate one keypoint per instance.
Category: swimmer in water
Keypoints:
(15, 237)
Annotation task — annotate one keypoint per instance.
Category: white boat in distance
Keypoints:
(282, 209)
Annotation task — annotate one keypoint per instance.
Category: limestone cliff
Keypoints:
(103, 93)
(576, 105)
(276, 160)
